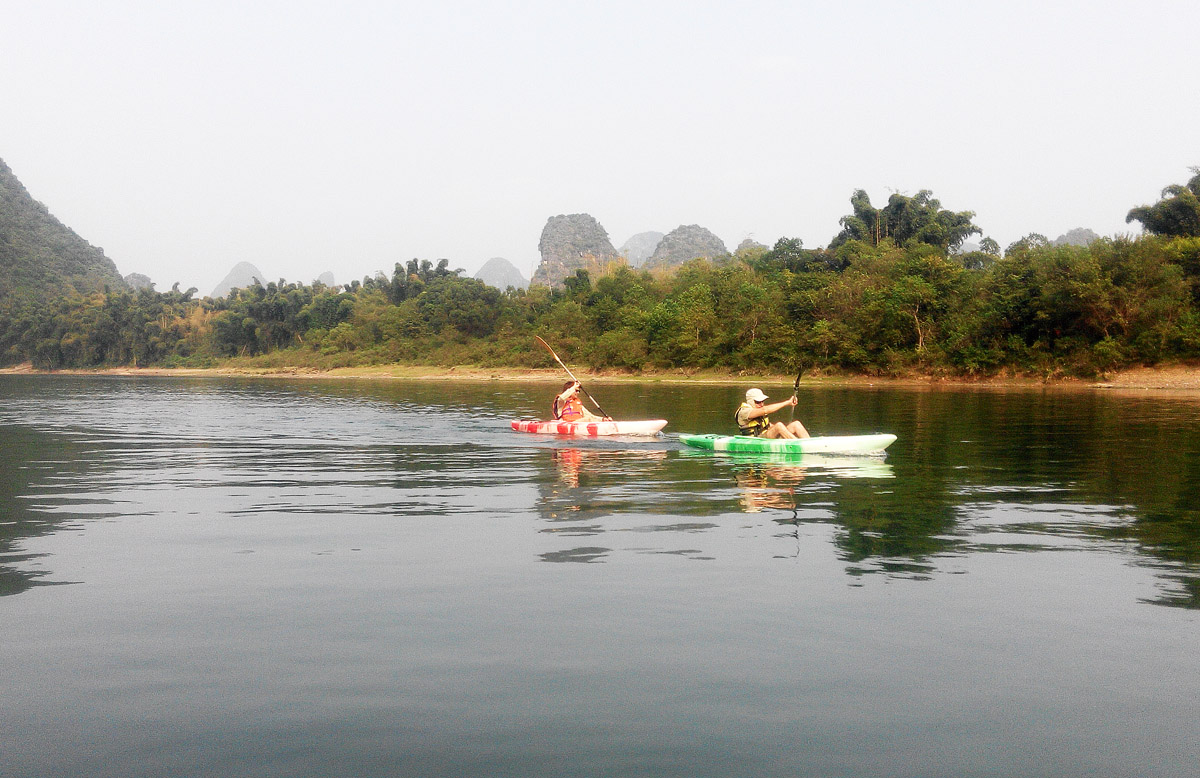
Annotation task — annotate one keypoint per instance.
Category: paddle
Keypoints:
(573, 378)
(795, 391)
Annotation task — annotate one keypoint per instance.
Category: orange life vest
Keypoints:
(571, 411)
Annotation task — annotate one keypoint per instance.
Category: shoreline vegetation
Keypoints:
(895, 298)
(1181, 378)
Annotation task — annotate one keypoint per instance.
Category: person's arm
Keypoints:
(766, 410)
(587, 414)
(567, 394)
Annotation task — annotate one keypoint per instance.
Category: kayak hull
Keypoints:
(831, 444)
(590, 429)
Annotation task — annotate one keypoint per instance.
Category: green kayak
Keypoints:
(833, 444)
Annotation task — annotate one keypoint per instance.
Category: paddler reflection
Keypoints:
(766, 486)
(570, 462)
(584, 480)
(575, 464)
(769, 481)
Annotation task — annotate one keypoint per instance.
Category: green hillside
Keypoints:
(41, 259)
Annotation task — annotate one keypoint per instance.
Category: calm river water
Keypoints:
(370, 578)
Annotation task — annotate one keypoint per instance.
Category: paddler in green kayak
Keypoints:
(753, 418)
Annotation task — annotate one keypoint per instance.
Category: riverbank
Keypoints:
(1173, 378)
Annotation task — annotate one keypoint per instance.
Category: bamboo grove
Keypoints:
(891, 295)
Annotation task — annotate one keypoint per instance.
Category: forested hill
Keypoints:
(41, 258)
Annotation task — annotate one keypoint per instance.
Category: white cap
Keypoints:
(755, 395)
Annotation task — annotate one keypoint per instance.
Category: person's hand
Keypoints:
(793, 400)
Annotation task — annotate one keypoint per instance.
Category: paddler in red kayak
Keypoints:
(568, 407)
(752, 417)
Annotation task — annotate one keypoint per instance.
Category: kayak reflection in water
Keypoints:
(753, 418)
(568, 407)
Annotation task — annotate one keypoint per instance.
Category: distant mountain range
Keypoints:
(40, 257)
(1080, 236)
(686, 242)
(577, 241)
(243, 275)
(501, 273)
(641, 247)
(572, 242)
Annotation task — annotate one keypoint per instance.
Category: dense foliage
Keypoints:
(880, 309)
(889, 296)
(1177, 213)
(903, 219)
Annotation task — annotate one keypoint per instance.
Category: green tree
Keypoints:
(1177, 214)
(1031, 242)
(920, 218)
(468, 305)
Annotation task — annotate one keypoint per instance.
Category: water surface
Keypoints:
(286, 578)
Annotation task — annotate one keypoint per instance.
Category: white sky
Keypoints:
(304, 136)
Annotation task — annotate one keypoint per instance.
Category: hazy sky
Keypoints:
(184, 137)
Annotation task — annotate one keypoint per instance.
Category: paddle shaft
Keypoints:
(573, 378)
(795, 391)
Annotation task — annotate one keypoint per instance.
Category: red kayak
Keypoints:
(591, 428)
